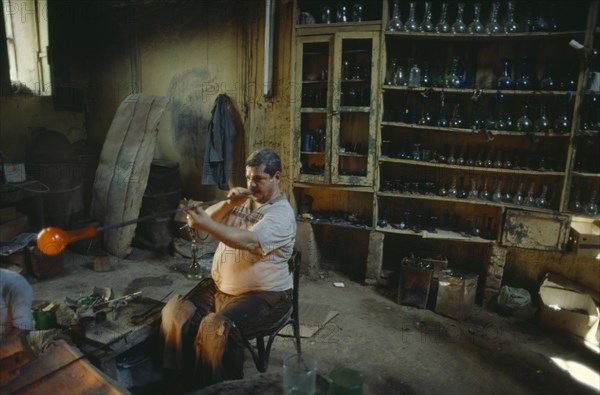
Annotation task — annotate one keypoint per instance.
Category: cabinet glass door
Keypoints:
(354, 112)
(312, 123)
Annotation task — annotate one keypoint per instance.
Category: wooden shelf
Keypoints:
(586, 175)
(471, 90)
(471, 168)
(471, 131)
(341, 225)
(348, 188)
(440, 235)
(464, 201)
(330, 28)
(483, 38)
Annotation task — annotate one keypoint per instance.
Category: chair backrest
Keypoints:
(294, 264)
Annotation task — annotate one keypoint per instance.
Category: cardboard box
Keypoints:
(585, 237)
(566, 306)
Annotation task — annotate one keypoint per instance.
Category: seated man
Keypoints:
(251, 285)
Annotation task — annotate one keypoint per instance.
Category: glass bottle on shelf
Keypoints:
(442, 122)
(540, 24)
(443, 26)
(542, 124)
(399, 76)
(548, 82)
(342, 12)
(507, 197)
(500, 123)
(425, 75)
(473, 193)
(357, 12)
(530, 198)
(427, 24)
(524, 80)
(326, 14)
(414, 76)
(542, 200)
(395, 23)
(518, 196)
(524, 123)
(484, 194)
(497, 195)
(591, 207)
(575, 204)
(505, 80)
(498, 161)
(411, 24)
(493, 27)
(562, 124)
(462, 192)
(452, 191)
(511, 25)
(416, 153)
(476, 27)
(454, 80)
(451, 160)
(391, 71)
(459, 26)
(456, 121)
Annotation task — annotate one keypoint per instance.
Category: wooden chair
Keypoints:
(260, 352)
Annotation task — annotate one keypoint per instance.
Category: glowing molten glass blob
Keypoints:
(52, 241)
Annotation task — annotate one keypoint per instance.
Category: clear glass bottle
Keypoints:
(562, 124)
(459, 26)
(542, 200)
(326, 14)
(416, 153)
(425, 75)
(473, 193)
(542, 124)
(524, 123)
(452, 191)
(411, 24)
(484, 194)
(500, 123)
(462, 192)
(518, 198)
(427, 24)
(357, 12)
(505, 81)
(454, 79)
(524, 80)
(498, 162)
(548, 81)
(456, 121)
(414, 76)
(395, 23)
(497, 195)
(443, 26)
(591, 207)
(342, 13)
(399, 76)
(511, 25)
(476, 27)
(391, 71)
(575, 204)
(530, 198)
(493, 27)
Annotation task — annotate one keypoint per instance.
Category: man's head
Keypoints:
(263, 174)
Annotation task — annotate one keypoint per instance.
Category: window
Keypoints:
(26, 26)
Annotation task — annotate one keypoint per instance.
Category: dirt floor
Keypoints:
(399, 349)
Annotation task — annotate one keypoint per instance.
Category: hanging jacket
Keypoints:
(219, 144)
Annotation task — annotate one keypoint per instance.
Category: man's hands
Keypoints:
(199, 219)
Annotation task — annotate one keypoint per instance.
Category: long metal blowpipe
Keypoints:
(52, 241)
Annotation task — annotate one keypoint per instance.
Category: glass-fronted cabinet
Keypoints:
(334, 108)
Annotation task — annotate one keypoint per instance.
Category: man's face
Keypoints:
(262, 184)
